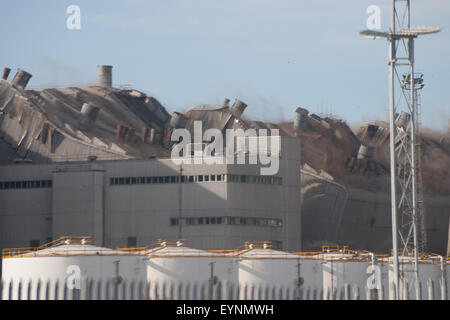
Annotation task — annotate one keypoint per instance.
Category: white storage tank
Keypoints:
(359, 272)
(171, 267)
(263, 270)
(430, 270)
(61, 261)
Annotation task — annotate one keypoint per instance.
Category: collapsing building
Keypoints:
(96, 161)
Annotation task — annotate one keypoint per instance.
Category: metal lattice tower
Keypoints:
(421, 225)
(402, 125)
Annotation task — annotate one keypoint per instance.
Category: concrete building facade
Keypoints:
(135, 202)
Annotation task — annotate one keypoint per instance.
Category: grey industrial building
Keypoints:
(135, 202)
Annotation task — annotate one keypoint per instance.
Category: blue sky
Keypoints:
(275, 55)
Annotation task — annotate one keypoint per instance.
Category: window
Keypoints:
(34, 243)
(131, 242)
(242, 221)
(161, 179)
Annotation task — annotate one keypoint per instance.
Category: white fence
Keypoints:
(111, 289)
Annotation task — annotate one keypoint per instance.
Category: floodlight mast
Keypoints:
(402, 138)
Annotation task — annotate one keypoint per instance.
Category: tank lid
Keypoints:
(179, 252)
(64, 246)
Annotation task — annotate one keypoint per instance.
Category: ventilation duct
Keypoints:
(238, 108)
(301, 115)
(21, 79)
(88, 114)
(6, 72)
(365, 152)
(178, 120)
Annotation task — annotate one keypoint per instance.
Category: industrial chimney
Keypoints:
(6, 72)
(105, 76)
(21, 79)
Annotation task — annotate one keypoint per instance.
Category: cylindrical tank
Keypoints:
(174, 264)
(262, 268)
(429, 270)
(89, 114)
(343, 267)
(105, 76)
(238, 108)
(301, 115)
(6, 72)
(21, 79)
(178, 120)
(365, 152)
(65, 257)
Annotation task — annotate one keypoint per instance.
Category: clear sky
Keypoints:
(275, 55)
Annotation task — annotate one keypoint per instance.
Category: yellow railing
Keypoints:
(327, 253)
(10, 252)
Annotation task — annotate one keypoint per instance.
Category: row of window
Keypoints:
(198, 178)
(262, 222)
(26, 184)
